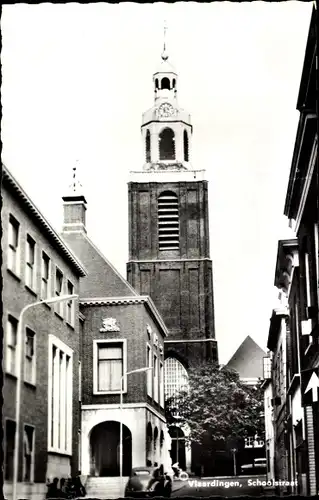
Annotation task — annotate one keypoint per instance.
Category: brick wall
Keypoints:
(43, 321)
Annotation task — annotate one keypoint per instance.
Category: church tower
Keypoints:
(169, 255)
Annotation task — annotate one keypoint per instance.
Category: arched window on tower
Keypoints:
(174, 83)
(167, 144)
(175, 376)
(168, 221)
(148, 146)
(156, 83)
(165, 83)
(186, 146)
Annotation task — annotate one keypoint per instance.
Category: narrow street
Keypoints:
(221, 486)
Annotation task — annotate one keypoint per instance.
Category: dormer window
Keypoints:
(167, 144)
(168, 221)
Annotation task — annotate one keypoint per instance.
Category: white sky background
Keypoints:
(76, 79)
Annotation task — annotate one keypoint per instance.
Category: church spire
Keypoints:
(74, 206)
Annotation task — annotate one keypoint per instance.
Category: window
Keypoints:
(29, 366)
(168, 221)
(13, 242)
(167, 144)
(176, 377)
(45, 276)
(11, 344)
(10, 430)
(30, 275)
(186, 149)
(148, 146)
(109, 362)
(267, 367)
(70, 305)
(80, 381)
(58, 307)
(28, 453)
(149, 372)
(161, 385)
(60, 390)
(155, 373)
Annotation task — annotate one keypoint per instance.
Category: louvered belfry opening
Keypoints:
(168, 221)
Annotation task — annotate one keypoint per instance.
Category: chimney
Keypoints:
(74, 208)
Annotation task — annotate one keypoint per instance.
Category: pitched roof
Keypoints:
(10, 183)
(248, 359)
(102, 280)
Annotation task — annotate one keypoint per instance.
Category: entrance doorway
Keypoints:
(105, 450)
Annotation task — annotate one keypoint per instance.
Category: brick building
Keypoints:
(121, 331)
(297, 276)
(37, 265)
(169, 256)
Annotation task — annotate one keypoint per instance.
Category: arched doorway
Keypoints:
(178, 451)
(105, 449)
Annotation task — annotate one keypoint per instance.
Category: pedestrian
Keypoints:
(53, 490)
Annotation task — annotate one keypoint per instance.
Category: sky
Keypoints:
(76, 80)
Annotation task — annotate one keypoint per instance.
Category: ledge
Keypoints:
(33, 292)
(59, 316)
(13, 274)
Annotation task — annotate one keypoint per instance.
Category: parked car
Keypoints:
(148, 482)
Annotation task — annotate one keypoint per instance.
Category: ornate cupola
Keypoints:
(166, 128)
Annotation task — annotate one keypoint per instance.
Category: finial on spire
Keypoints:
(164, 53)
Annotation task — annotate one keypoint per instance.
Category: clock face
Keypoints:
(166, 110)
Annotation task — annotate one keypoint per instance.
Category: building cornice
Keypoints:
(127, 301)
(200, 259)
(189, 341)
(114, 406)
(10, 182)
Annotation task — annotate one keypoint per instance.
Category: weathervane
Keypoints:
(75, 184)
(164, 54)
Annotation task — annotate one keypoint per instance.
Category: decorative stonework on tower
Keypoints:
(168, 226)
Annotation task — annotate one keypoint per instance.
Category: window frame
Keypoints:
(149, 375)
(30, 267)
(5, 448)
(58, 306)
(34, 357)
(55, 391)
(14, 249)
(9, 346)
(155, 378)
(70, 309)
(161, 382)
(96, 343)
(32, 456)
(43, 279)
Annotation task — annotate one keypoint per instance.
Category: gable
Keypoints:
(102, 279)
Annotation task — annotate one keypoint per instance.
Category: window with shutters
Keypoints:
(168, 221)
(109, 359)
